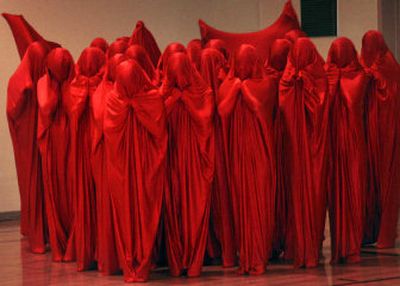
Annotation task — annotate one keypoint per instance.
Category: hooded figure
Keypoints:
(117, 47)
(89, 72)
(246, 104)
(383, 128)
(107, 260)
(221, 242)
(303, 103)
(22, 112)
(136, 142)
(139, 54)
(99, 43)
(189, 111)
(194, 52)
(347, 86)
(162, 63)
(274, 67)
(53, 136)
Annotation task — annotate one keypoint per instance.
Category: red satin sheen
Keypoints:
(22, 111)
(53, 136)
(246, 104)
(117, 47)
(303, 102)
(194, 52)
(189, 109)
(383, 199)
(221, 240)
(100, 43)
(143, 37)
(261, 39)
(348, 86)
(218, 45)
(82, 242)
(139, 54)
(136, 142)
(162, 63)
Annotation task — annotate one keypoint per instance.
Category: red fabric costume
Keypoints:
(100, 43)
(261, 40)
(139, 54)
(194, 52)
(143, 37)
(189, 109)
(221, 236)
(383, 139)
(246, 104)
(53, 136)
(117, 47)
(22, 111)
(303, 102)
(82, 243)
(274, 67)
(136, 141)
(107, 259)
(218, 45)
(348, 86)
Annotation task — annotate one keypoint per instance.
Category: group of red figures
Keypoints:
(128, 159)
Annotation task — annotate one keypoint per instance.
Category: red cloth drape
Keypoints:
(162, 63)
(143, 37)
(53, 137)
(106, 252)
(136, 141)
(246, 103)
(117, 47)
(100, 43)
(194, 49)
(383, 139)
(139, 54)
(274, 67)
(24, 34)
(348, 86)
(303, 102)
(189, 109)
(22, 111)
(82, 242)
(261, 40)
(221, 240)
(218, 45)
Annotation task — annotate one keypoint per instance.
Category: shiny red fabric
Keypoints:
(100, 43)
(53, 136)
(139, 54)
(383, 140)
(194, 52)
(106, 252)
(136, 141)
(261, 39)
(117, 47)
(162, 63)
(82, 242)
(218, 45)
(22, 110)
(303, 102)
(348, 86)
(189, 109)
(143, 37)
(293, 35)
(24, 34)
(274, 67)
(246, 104)
(221, 241)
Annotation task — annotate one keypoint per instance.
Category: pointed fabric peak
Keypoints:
(143, 37)
(261, 39)
(24, 34)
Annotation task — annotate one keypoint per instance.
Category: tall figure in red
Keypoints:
(106, 252)
(189, 110)
(136, 144)
(82, 243)
(221, 236)
(303, 102)
(383, 139)
(347, 86)
(246, 104)
(22, 112)
(53, 139)
(274, 67)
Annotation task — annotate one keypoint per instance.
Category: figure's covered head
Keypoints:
(90, 62)
(60, 65)
(131, 79)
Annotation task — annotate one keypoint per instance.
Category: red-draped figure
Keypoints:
(136, 142)
(303, 103)
(194, 52)
(106, 252)
(274, 67)
(139, 54)
(99, 43)
(383, 127)
(22, 112)
(53, 138)
(82, 243)
(347, 87)
(162, 63)
(246, 104)
(221, 234)
(189, 111)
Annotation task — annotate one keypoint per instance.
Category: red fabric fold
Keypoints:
(143, 37)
